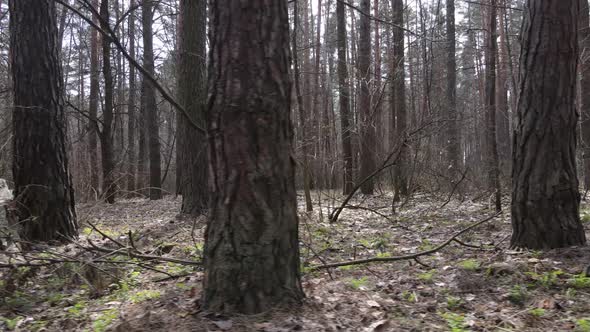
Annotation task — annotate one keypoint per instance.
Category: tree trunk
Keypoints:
(545, 196)
(502, 109)
(150, 108)
(584, 39)
(344, 99)
(106, 135)
(192, 88)
(302, 114)
(43, 191)
(377, 109)
(491, 51)
(453, 141)
(251, 248)
(367, 123)
(93, 106)
(131, 107)
(398, 104)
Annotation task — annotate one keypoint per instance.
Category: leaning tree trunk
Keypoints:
(251, 247)
(545, 195)
(149, 103)
(44, 198)
(192, 144)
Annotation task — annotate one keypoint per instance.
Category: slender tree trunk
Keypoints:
(367, 123)
(131, 107)
(93, 106)
(192, 87)
(251, 245)
(490, 93)
(106, 136)
(43, 191)
(150, 107)
(344, 96)
(398, 105)
(453, 141)
(545, 194)
(302, 113)
(503, 112)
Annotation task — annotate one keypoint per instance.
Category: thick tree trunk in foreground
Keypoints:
(192, 85)
(150, 111)
(43, 191)
(367, 123)
(584, 38)
(344, 95)
(251, 246)
(545, 196)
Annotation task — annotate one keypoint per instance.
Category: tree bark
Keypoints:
(367, 123)
(453, 141)
(192, 87)
(106, 135)
(131, 107)
(150, 110)
(251, 247)
(502, 109)
(584, 39)
(545, 195)
(43, 191)
(93, 106)
(398, 92)
(344, 99)
(302, 113)
(492, 162)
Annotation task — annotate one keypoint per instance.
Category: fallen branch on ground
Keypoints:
(405, 257)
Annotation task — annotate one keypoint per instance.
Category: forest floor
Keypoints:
(475, 284)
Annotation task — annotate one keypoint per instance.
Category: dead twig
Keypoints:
(405, 257)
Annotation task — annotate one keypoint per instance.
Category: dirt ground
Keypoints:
(475, 284)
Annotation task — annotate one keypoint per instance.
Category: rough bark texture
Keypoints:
(398, 93)
(344, 95)
(251, 247)
(584, 38)
(150, 110)
(492, 161)
(106, 135)
(192, 85)
(131, 108)
(545, 196)
(453, 142)
(367, 123)
(43, 191)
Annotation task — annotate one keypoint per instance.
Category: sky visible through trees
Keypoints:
(305, 165)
